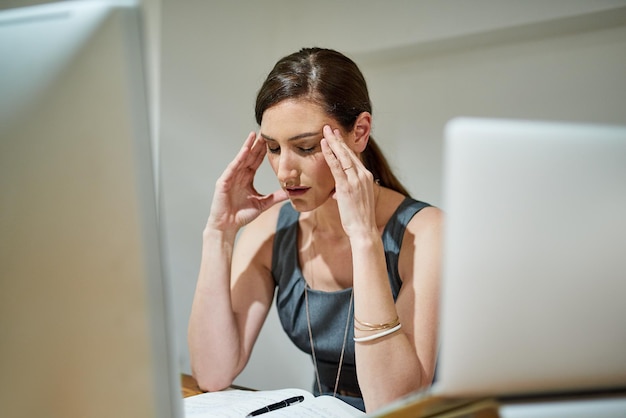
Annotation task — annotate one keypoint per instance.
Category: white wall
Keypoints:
(425, 62)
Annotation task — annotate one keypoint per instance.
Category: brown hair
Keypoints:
(334, 82)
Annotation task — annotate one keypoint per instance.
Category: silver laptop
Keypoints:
(84, 323)
(534, 276)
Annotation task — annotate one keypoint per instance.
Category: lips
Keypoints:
(296, 191)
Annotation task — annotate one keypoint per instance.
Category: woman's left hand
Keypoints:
(354, 185)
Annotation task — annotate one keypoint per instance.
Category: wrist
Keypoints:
(216, 235)
(365, 241)
(368, 259)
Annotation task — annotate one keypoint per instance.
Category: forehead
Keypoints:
(290, 118)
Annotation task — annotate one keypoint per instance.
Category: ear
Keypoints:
(361, 131)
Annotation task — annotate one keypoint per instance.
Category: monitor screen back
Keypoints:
(84, 316)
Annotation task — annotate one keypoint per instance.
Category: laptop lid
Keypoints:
(534, 272)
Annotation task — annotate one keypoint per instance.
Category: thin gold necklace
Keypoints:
(308, 322)
(343, 347)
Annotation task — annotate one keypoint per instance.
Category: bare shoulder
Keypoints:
(266, 221)
(420, 253)
(428, 220)
(252, 283)
(255, 242)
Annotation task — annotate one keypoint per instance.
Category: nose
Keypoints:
(287, 171)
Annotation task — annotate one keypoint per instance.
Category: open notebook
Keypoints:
(240, 403)
(534, 273)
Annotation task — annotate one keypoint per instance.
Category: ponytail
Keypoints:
(377, 164)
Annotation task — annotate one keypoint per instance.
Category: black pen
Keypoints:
(277, 405)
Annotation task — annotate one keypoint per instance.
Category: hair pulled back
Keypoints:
(334, 82)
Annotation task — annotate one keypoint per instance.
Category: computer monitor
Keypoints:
(84, 320)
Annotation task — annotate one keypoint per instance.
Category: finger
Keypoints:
(241, 159)
(252, 152)
(269, 200)
(257, 153)
(249, 142)
(344, 155)
(331, 159)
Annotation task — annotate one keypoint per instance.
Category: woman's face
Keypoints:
(292, 130)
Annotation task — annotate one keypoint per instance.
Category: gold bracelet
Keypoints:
(366, 326)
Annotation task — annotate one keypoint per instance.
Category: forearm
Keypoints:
(387, 367)
(213, 337)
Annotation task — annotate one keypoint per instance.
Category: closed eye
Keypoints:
(301, 150)
(273, 150)
(308, 150)
(304, 144)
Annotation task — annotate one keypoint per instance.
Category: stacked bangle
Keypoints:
(385, 329)
(366, 326)
(379, 335)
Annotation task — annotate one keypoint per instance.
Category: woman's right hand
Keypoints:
(235, 201)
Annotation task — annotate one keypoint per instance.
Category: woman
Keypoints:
(365, 308)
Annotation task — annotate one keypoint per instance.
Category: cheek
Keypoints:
(322, 171)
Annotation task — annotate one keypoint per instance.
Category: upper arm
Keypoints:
(252, 285)
(420, 270)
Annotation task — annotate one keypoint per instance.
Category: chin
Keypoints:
(300, 206)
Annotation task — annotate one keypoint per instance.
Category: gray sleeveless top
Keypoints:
(328, 310)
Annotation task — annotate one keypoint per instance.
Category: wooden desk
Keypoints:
(189, 386)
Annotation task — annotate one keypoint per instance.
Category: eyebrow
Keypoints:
(295, 137)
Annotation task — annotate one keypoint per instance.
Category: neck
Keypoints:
(326, 218)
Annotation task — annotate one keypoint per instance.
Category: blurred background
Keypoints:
(425, 62)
